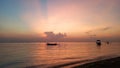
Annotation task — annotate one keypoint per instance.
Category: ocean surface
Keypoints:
(66, 54)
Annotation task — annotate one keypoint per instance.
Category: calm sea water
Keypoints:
(21, 55)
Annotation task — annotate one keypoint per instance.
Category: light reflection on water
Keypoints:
(30, 54)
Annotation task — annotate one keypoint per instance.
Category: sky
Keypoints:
(59, 20)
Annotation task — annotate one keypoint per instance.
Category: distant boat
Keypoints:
(52, 44)
(98, 42)
(107, 42)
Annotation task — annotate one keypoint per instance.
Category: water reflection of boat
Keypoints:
(52, 44)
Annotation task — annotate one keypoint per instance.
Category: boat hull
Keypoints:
(51, 43)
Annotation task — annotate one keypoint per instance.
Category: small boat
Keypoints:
(52, 44)
(107, 42)
(98, 42)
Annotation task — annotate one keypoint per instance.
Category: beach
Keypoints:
(108, 63)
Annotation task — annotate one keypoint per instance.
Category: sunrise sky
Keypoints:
(68, 20)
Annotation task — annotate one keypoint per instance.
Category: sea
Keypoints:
(63, 55)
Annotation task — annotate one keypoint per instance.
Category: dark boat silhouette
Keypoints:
(52, 44)
(107, 42)
(98, 42)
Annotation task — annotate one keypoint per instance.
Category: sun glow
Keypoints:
(78, 19)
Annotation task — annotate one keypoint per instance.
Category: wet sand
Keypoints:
(108, 63)
(103, 63)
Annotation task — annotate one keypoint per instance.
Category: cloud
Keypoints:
(88, 32)
(93, 33)
(54, 37)
(105, 28)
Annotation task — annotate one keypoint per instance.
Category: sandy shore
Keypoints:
(108, 63)
(104, 63)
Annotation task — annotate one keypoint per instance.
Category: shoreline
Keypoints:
(107, 63)
(113, 62)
